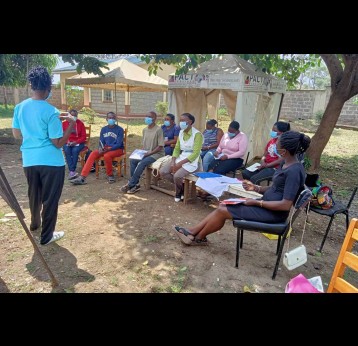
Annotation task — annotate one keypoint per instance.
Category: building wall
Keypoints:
(141, 102)
(23, 95)
(304, 104)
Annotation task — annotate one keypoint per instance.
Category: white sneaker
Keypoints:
(56, 236)
(176, 199)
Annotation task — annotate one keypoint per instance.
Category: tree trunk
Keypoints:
(325, 129)
(5, 97)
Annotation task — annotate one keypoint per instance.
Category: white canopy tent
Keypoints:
(122, 75)
(252, 97)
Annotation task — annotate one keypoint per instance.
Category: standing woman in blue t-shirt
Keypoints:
(38, 124)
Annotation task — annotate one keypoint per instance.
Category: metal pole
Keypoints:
(115, 95)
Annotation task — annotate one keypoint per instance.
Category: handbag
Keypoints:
(297, 256)
(156, 165)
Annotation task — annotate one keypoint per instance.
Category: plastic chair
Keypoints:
(345, 259)
(118, 162)
(280, 229)
(83, 152)
(338, 208)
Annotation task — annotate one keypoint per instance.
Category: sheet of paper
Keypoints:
(217, 158)
(138, 154)
(253, 167)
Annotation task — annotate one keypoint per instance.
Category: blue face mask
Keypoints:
(148, 121)
(167, 123)
(49, 96)
(275, 151)
(183, 125)
(111, 122)
(209, 131)
(231, 135)
(75, 118)
(273, 134)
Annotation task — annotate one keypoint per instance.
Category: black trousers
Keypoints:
(45, 184)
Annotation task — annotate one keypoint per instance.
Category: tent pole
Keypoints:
(279, 108)
(115, 95)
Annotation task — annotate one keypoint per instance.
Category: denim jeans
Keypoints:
(137, 168)
(71, 154)
(208, 157)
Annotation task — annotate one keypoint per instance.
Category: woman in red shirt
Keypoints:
(271, 159)
(75, 143)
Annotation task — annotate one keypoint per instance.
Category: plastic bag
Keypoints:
(299, 284)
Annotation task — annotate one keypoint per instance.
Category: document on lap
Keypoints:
(138, 154)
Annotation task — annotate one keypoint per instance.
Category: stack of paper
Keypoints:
(253, 167)
(138, 154)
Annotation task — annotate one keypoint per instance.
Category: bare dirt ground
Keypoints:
(117, 242)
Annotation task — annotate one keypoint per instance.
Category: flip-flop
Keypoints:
(182, 234)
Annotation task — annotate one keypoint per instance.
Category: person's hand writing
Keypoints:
(216, 154)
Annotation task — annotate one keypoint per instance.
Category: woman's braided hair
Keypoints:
(39, 78)
(294, 142)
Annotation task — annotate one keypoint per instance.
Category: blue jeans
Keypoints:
(137, 168)
(71, 154)
(208, 157)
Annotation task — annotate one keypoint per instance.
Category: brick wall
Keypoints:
(304, 104)
(141, 102)
(23, 95)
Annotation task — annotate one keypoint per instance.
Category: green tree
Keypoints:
(343, 71)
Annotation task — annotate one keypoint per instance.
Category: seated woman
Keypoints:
(212, 136)
(276, 202)
(171, 133)
(230, 153)
(75, 143)
(186, 155)
(271, 160)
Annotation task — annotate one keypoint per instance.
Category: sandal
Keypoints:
(184, 234)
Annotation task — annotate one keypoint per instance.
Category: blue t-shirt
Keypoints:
(170, 133)
(38, 122)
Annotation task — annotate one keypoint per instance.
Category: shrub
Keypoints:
(318, 115)
(222, 111)
(74, 97)
(90, 113)
(161, 108)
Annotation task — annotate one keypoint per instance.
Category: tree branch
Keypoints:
(334, 67)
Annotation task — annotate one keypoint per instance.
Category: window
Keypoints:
(107, 96)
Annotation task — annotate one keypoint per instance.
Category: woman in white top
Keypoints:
(186, 155)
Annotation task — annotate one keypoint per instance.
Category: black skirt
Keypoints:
(253, 213)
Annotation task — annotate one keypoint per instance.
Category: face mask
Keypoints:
(276, 152)
(167, 123)
(273, 134)
(148, 120)
(49, 96)
(111, 122)
(209, 131)
(75, 118)
(231, 135)
(183, 125)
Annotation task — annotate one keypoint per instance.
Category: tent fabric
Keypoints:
(122, 76)
(252, 97)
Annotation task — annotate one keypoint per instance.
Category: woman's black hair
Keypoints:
(294, 142)
(39, 78)
(191, 117)
(235, 125)
(212, 122)
(171, 116)
(283, 126)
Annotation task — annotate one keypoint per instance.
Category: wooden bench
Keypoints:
(151, 182)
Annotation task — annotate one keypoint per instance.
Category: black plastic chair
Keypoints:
(338, 208)
(242, 167)
(280, 229)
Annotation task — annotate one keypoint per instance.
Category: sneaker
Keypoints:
(124, 188)
(111, 179)
(56, 236)
(182, 197)
(79, 181)
(134, 189)
(72, 175)
(177, 198)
